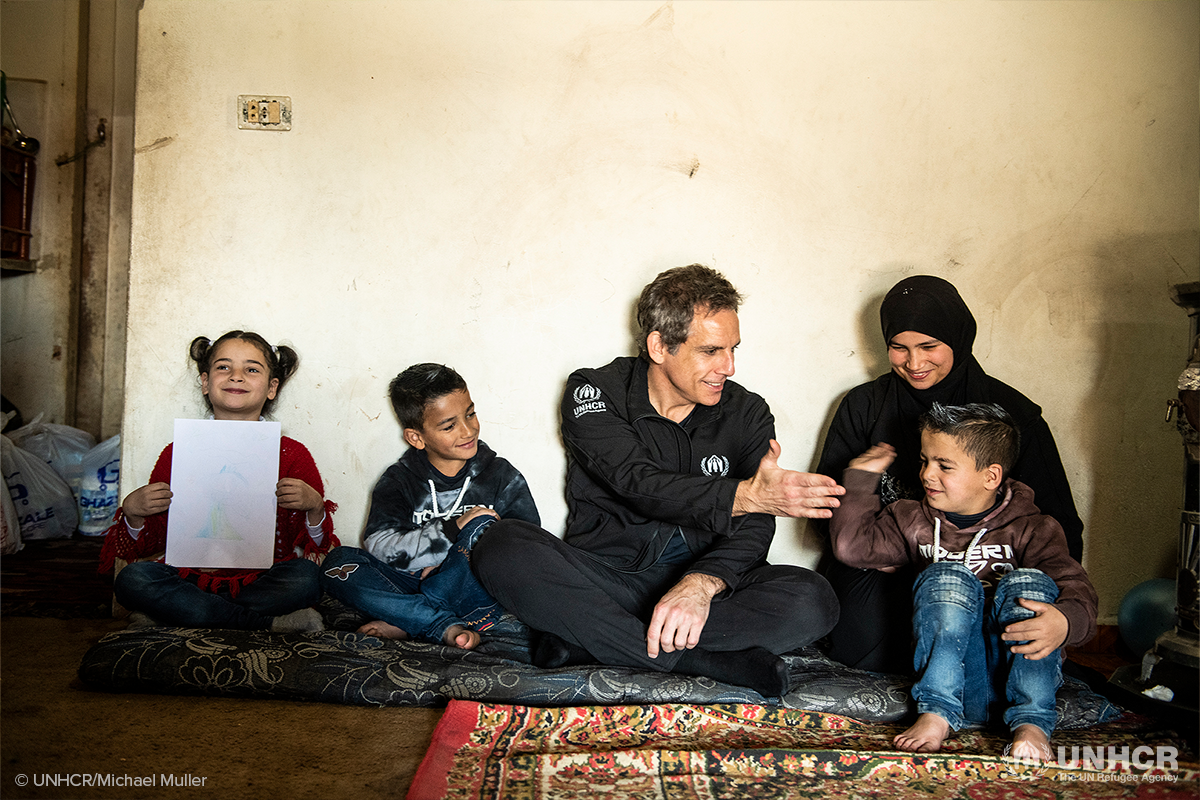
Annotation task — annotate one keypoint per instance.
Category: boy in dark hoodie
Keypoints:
(998, 594)
(427, 512)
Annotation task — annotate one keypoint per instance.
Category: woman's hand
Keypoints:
(296, 495)
(153, 498)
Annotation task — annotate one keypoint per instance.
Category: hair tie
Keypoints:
(207, 342)
(274, 350)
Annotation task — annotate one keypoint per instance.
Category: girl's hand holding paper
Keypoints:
(295, 494)
(153, 498)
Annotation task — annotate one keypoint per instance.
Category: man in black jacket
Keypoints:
(672, 488)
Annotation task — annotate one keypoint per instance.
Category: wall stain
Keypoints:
(156, 144)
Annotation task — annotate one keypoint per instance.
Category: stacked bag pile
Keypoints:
(59, 481)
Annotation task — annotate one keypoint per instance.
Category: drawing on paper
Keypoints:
(223, 477)
(219, 526)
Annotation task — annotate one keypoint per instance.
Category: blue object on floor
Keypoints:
(1147, 612)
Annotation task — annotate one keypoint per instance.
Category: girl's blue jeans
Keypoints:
(158, 591)
(962, 663)
(422, 607)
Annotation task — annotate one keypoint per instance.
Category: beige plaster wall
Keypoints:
(490, 184)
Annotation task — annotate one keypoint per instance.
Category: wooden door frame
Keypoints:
(107, 198)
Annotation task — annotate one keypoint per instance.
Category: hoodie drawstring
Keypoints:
(433, 496)
(937, 542)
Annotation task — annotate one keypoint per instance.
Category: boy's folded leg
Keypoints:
(471, 532)
(393, 599)
(1031, 690)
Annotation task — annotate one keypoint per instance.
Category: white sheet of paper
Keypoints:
(223, 477)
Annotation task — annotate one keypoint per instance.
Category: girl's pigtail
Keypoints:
(199, 351)
(286, 361)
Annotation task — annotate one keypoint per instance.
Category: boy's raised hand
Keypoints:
(296, 495)
(876, 459)
(153, 498)
(1043, 633)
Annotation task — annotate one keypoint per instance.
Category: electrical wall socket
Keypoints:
(264, 112)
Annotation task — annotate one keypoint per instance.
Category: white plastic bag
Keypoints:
(44, 503)
(60, 446)
(100, 476)
(10, 532)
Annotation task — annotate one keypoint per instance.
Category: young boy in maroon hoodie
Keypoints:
(998, 595)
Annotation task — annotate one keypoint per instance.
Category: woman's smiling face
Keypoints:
(921, 360)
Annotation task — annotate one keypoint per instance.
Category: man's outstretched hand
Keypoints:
(786, 493)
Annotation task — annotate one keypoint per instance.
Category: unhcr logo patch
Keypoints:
(587, 400)
(715, 466)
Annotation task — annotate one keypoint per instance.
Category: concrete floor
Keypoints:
(51, 726)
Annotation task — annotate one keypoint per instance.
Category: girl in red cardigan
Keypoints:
(240, 376)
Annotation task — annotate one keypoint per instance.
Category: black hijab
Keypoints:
(933, 307)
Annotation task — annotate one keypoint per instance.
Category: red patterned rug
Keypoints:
(683, 752)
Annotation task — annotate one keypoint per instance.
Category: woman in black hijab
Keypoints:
(929, 332)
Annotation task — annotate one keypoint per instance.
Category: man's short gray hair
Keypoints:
(670, 302)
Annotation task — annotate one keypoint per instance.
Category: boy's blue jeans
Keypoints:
(961, 660)
(422, 608)
(157, 590)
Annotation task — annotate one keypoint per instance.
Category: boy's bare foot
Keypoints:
(458, 636)
(1030, 743)
(925, 736)
(383, 630)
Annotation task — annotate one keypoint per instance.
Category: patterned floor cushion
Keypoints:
(341, 666)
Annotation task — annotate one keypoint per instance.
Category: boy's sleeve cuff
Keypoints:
(859, 480)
